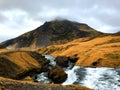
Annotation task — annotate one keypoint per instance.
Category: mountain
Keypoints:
(53, 32)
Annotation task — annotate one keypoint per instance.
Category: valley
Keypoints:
(61, 55)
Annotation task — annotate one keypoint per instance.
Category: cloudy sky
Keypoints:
(20, 16)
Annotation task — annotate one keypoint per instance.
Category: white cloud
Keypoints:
(108, 28)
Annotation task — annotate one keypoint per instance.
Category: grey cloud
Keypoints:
(2, 18)
(75, 7)
(96, 13)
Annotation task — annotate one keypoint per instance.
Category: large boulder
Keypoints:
(62, 61)
(57, 75)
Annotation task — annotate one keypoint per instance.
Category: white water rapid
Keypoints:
(95, 78)
(103, 78)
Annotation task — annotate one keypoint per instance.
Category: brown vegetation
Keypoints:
(98, 52)
(9, 84)
(19, 64)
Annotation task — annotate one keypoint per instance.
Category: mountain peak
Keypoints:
(63, 21)
(52, 32)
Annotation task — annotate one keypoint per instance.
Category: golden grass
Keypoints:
(3, 50)
(16, 64)
(23, 59)
(90, 53)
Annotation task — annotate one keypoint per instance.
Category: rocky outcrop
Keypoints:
(57, 75)
(42, 60)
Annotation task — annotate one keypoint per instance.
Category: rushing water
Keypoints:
(96, 78)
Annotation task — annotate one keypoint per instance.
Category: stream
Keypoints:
(102, 78)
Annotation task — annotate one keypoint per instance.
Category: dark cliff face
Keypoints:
(54, 32)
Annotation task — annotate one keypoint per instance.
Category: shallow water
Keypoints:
(51, 58)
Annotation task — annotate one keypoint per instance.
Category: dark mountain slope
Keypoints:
(54, 32)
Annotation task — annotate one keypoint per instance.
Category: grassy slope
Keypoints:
(9, 84)
(98, 52)
(3, 50)
(15, 64)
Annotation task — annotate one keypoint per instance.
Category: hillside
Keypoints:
(98, 52)
(19, 64)
(53, 32)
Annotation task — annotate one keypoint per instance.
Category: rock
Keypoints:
(57, 75)
(62, 61)
(42, 60)
(73, 58)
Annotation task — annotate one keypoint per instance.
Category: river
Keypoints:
(101, 78)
